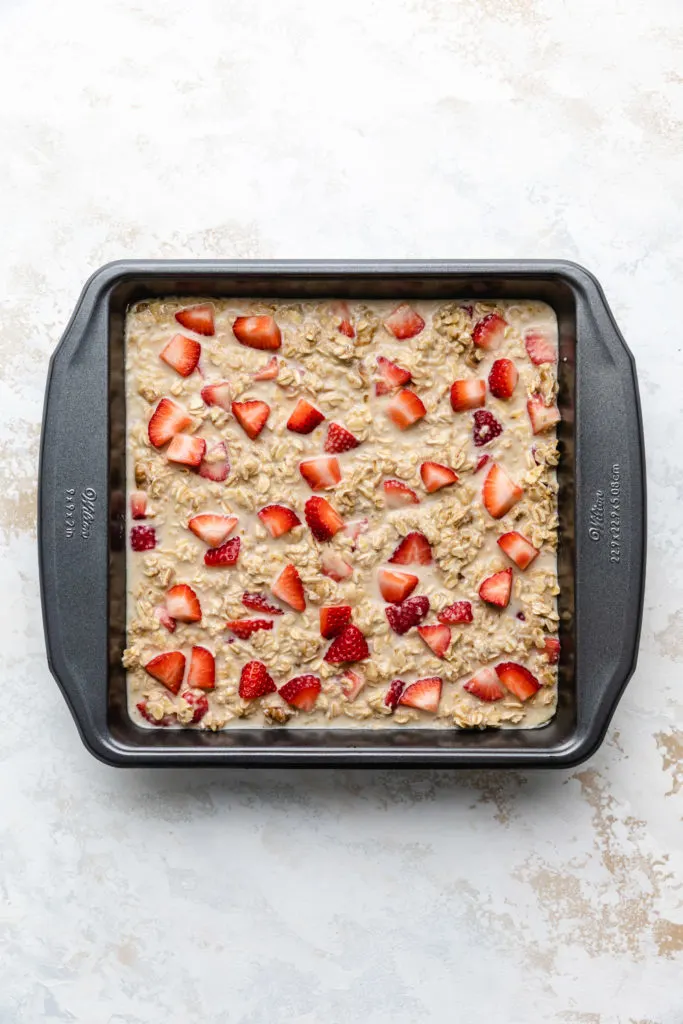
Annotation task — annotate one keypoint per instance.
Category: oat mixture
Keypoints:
(341, 514)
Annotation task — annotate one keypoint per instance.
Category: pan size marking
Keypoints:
(604, 516)
(69, 512)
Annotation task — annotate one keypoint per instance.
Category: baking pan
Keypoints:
(601, 555)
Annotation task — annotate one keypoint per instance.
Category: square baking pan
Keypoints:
(601, 554)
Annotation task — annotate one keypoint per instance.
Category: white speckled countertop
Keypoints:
(469, 128)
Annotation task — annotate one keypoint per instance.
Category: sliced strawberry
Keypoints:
(269, 371)
(486, 427)
(334, 619)
(305, 418)
(397, 494)
(215, 465)
(517, 679)
(260, 603)
(225, 554)
(333, 565)
(182, 354)
(350, 645)
(552, 649)
(424, 694)
(255, 681)
(197, 318)
(392, 696)
(148, 717)
(322, 519)
(202, 673)
(503, 378)
(539, 347)
(168, 419)
(278, 519)
(289, 588)
(186, 450)
(143, 538)
(257, 332)
(243, 628)
(499, 492)
(197, 701)
(414, 549)
(436, 637)
(435, 476)
(251, 416)
(167, 668)
(355, 529)
(405, 409)
(322, 473)
(456, 614)
(353, 684)
(404, 322)
(467, 394)
(212, 529)
(218, 394)
(518, 548)
(393, 376)
(402, 617)
(484, 685)
(496, 589)
(301, 692)
(489, 331)
(481, 462)
(396, 586)
(341, 309)
(164, 618)
(339, 439)
(138, 504)
(183, 604)
(543, 417)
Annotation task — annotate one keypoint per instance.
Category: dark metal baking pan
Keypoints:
(601, 499)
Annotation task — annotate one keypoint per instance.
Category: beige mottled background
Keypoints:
(311, 128)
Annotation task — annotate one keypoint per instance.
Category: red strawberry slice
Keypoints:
(436, 637)
(539, 347)
(226, 554)
(458, 613)
(269, 371)
(186, 450)
(202, 673)
(168, 419)
(341, 309)
(517, 679)
(333, 565)
(143, 538)
(260, 603)
(251, 416)
(305, 418)
(435, 476)
(164, 618)
(334, 619)
(486, 427)
(301, 692)
(404, 322)
(167, 668)
(503, 378)
(499, 492)
(489, 331)
(350, 645)
(406, 409)
(467, 394)
(243, 628)
(322, 473)
(212, 529)
(484, 685)
(183, 604)
(552, 649)
(518, 548)
(138, 504)
(393, 376)
(396, 586)
(278, 519)
(496, 589)
(182, 354)
(257, 332)
(197, 318)
(402, 617)
(255, 681)
(323, 520)
(397, 494)
(218, 394)
(392, 696)
(353, 684)
(414, 549)
(424, 694)
(197, 701)
(339, 439)
(481, 462)
(289, 588)
(543, 417)
(215, 465)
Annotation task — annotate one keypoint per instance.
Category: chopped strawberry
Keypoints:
(436, 637)
(518, 548)
(435, 476)
(197, 701)
(218, 394)
(404, 322)
(183, 604)
(481, 462)
(269, 371)
(543, 417)
(456, 614)
(486, 427)
(552, 649)
(212, 529)
(164, 618)
(143, 538)
(353, 683)
(167, 668)
(517, 679)
(393, 376)
(215, 465)
(355, 529)
(333, 565)
(257, 332)
(499, 492)
(496, 589)
(503, 378)
(243, 628)
(322, 519)
(186, 450)
(260, 603)
(489, 331)
(225, 554)
(197, 318)
(402, 617)
(405, 409)
(397, 494)
(251, 416)
(334, 619)
(539, 347)
(289, 588)
(138, 504)
(301, 692)
(396, 586)
(182, 354)
(168, 419)
(350, 645)
(424, 694)
(339, 439)
(414, 549)
(321, 473)
(278, 519)
(467, 394)
(202, 673)
(341, 309)
(392, 696)
(484, 685)
(255, 681)
(305, 418)
(148, 717)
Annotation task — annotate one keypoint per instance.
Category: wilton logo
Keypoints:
(88, 499)
(596, 522)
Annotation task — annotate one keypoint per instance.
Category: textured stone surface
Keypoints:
(399, 128)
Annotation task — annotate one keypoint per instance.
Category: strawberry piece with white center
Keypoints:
(322, 473)
(517, 679)
(212, 529)
(198, 702)
(182, 604)
(539, 347)
(278, 519)
(518, 548)
(143, 538)
(503, 379)
(339, 439)
(164, 618)
(459, 613)
(257, 332)
(197, 318)
(405, 409)
(202, 672)
(186, 451)
(397, 494)
(333, 565)
(225, 554)
(414, 549)
(323, 520)
(499, 492)
(215, 465)
(402, 617)
(543, 417)
(484, 685)
(435, 476)
(218, 394)
(353, 683)
(481, 462)
(436, 637)
(486, 427)
(355, 529)
(341, 309)
(552, 649)
(301, 692)
(496, 589)
(244, 628)
(305, 418)
(489, 331)
(404, 322)
(424, 694)
(167, 668)
(138, 504)
(334, 619)
(467, 394)
(182, 354)
(251, 416)
(396, 586)
(269, 371)
(392, 696)
(289, 588)
(350, 645)
(260, 603)
(168, 419)
(255, 681)
(393, 376)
